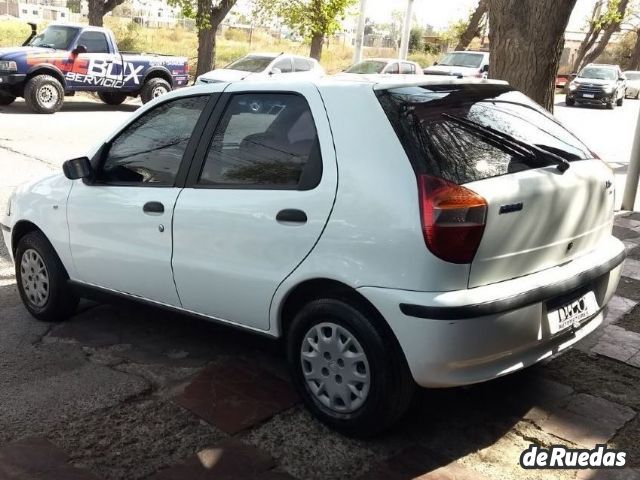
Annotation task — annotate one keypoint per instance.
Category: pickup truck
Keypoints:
(65, 59)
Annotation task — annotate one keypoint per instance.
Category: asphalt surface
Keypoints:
(102, 386)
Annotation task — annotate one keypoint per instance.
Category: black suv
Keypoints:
(598, 84)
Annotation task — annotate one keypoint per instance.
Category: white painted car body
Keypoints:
(224, 256)
(381, 67)
(633, 84)
(474, 64)
(271, 67)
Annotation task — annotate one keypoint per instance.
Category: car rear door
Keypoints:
(120, 222)
(257, 199)
(99, 68)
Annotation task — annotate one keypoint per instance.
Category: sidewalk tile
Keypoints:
(631, 268)
(628, 223)
(623, 233)
(629, 288)
(587, 420)
(618, 343)
(602, 474)
(37, 459)
(234, 396)
(618, 307)
(230, 460)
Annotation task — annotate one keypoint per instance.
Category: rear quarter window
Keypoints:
(437, 145)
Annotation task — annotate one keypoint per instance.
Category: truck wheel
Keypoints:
(153, 88)
(6, 99)
(347, 370)
(112, 98)
(44, 94)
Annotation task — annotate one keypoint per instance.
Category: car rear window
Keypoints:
(438, 145)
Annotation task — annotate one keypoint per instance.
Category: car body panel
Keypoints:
(480, 71)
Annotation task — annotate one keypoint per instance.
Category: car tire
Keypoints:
(610, 105)
(357, 398)
(42, 280)
(6, 99)
(570, 102)
(44, 94)
(112, 98)
(153, 88)
(620, 101)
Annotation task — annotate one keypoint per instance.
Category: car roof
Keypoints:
(274, 55)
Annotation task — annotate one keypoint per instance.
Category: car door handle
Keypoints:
(291, 215)
(153, 208)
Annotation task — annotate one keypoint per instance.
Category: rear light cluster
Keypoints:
(453, 219)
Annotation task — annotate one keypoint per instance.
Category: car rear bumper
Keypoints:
(485, 332)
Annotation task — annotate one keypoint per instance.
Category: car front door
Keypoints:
(97, 68)
(257, 199)
(120, 221)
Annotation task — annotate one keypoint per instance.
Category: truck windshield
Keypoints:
(55, 37)
(251, 63)
(469, 60)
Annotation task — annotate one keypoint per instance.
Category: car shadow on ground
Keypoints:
(20, 108)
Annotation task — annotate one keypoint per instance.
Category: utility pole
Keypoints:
(404, 43)
(633, 174)
(357, 55)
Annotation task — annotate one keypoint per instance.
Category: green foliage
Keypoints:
(416, 39)
(307, 17)
(74, 6)
(455, 30)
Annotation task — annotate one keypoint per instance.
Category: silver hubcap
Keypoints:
(335, 367)
(35, 278)
(157, 91)
(48, 96)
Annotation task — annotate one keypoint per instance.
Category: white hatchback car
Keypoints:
(265, 65)
(445, 232)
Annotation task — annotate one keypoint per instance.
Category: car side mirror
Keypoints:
(435, 63)
(275, 71)
(621, 79)
(573, 75)
(485, 68)
(79, 49)
(77, 168)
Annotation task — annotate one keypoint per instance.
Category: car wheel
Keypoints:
(6, 99)
(42, 280)
(570, 102)
(44, 94)
(350, 373)
(153, 88)
(610, 105)
(620, 101)
(112, 98)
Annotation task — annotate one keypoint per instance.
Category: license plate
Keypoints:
(573, 313)
(588, 95)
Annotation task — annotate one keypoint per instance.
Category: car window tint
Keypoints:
(96, 42)
(150, 150)
(264, 139)
(438, 145)
(301, 65)
(393, 68)
(407, 68)
(284, 65)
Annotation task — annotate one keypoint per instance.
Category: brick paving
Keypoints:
(207, 409)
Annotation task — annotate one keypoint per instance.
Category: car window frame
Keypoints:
(198, 162)
(106, 41)
(281, 59)
(97, 161)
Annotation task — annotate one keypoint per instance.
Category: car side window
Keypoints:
(96, 42)
(284, 65)
(393, 68)
(407, 68)
(264, 140)
(149, 151)
(301, 65)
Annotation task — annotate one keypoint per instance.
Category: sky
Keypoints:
(440, 13)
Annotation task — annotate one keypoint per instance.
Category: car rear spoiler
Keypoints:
(34, 32)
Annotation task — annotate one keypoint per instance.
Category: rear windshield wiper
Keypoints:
(523, 147)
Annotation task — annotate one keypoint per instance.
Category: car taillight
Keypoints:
(453, 219)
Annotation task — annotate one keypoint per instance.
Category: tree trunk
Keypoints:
(96, 12)
(472, 29)
(609, 30)
(317, 41)
(206, 50)
(527, 43)
(590, 38)
(634, 61)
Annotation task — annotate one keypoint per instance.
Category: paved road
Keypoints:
(122, 392)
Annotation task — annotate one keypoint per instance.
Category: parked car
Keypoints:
(461, 64)
(391, 66)
(469, 236)
(633, 84)
(65, 59)
(598, 84)
(265, 65)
